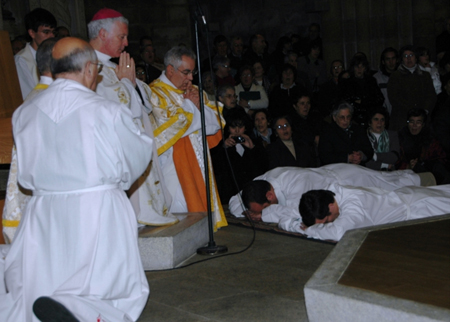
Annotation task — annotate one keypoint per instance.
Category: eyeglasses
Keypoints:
(231, 96)
(246, 75)
(419, 122)
(188, 72)
(285, 125)
(226, 66)
(338, 67)
(408, 55)
(140, 73)
(99, 66)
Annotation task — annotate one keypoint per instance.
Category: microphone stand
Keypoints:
(211, 248)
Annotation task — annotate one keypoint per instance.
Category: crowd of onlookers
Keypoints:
(286, 108)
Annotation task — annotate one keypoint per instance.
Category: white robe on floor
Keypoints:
(77, 240)
(290, 183)
(363, 207)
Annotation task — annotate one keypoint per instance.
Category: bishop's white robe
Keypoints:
(149, 195)
(77, 240)
(290, 183)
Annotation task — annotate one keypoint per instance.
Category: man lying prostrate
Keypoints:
(328, 214)
(284, 186)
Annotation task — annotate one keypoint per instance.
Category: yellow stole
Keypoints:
(186, 163)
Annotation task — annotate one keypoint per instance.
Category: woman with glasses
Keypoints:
(287, 150)
(420, 151)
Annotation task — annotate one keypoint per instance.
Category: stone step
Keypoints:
(166, 247)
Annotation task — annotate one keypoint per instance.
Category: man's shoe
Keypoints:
(48, 310)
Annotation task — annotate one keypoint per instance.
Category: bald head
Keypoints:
(70, 55)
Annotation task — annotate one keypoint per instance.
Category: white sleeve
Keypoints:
(211, 122)
(263, 102)
(277, 213)
(26, 80)
(236, 206)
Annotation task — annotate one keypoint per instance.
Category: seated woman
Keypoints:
(307, 123)
(344, 141)
(386, 148)
(419, 150)
(281, 96)
(208, 86)
(288, 151)
(226, 95)
(260, 78)
(361, 90)
(238, 157)
(251, 96)
(262, 130)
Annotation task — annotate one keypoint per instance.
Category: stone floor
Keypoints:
(264, 283)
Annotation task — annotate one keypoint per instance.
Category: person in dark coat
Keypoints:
(239, 157)
(287, 150)
(409, 87)
(344, 141)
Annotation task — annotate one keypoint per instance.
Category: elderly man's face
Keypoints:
(409, 59)
(343, 118)
(182, 76)
(116, 39)
(148, 53)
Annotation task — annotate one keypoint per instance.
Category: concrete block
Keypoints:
(167, 246)
(326, 300)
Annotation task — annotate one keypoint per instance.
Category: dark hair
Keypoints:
(255, 191)
(285, 68)
(44, 55)
(414, 112)
(39, 17)
(244, 68)
(282, 41)
(314, 205)
(383, 54)
(253, 38)
(237, 117)
(275, 120)
(356, 61)
(262, 110)
(378, 110)
(335, 61)
(421, 51)
(141, 42)
(405, 48)
(314, 44)
(294, 98)
(218, 39)
(314, 24)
